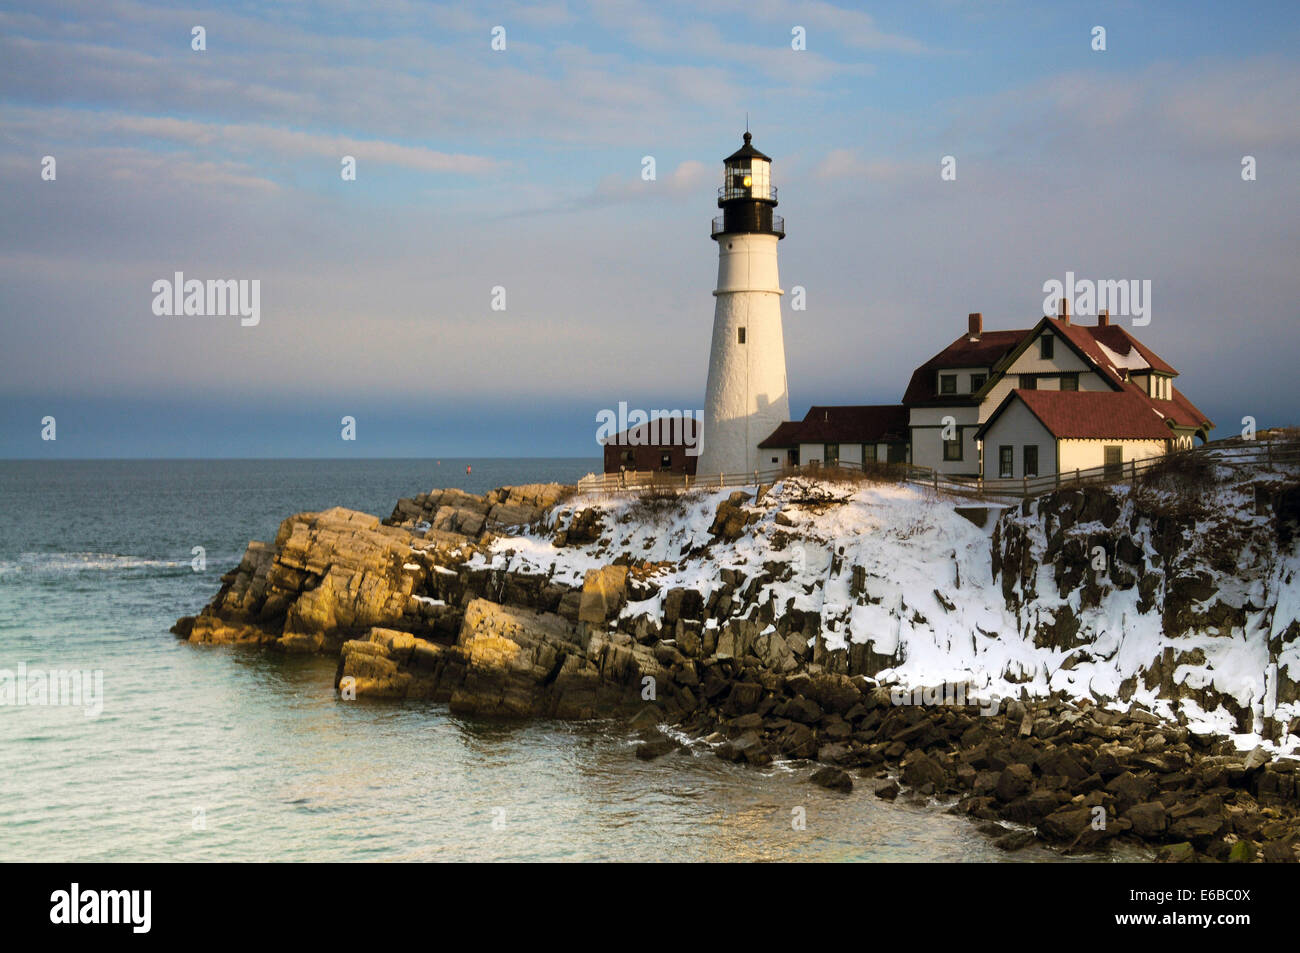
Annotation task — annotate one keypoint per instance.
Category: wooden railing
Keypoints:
(1232, 453)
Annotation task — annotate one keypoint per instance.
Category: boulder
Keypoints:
(1149, 820)
(604, 592)
(833, 778)
(920, 769)
(1014, 781)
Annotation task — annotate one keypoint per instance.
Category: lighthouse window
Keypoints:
(740, 335)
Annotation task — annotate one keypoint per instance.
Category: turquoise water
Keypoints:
(215, 753)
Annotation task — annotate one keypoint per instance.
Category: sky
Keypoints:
(522, 169)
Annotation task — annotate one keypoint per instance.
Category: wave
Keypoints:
(64, 563)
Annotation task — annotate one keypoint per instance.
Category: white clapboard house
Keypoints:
(1057, 397)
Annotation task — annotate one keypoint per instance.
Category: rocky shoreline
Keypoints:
(443, 601)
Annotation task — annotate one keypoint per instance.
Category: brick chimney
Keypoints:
(1064, 313)
(1103, 318)
(975, 324)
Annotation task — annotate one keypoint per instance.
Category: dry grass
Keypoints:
(654, 503)
(867, 473)
(1176, 486)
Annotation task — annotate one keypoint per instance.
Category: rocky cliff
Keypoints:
(1086, 651)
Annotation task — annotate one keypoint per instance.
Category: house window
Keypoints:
(952, 448)
(1006, 462)
(947, 383)
(977, 381)
(1114, 462)
(1031, 461)
(1069, 382)
(831, 453)
(666, 460)
(740, 335)
(868, 453)
(1045, 346)
(1028, 382)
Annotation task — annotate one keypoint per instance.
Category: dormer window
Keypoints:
(947, 383)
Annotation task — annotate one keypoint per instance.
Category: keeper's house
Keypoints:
(1051, 399)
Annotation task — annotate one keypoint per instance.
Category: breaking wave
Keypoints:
(66, 563)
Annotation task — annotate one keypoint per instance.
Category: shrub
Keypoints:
(1176, 485)
(654, 503)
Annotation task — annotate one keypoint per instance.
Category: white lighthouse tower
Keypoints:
(746, 397)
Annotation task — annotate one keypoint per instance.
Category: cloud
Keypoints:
(849, 164)
(294, 142)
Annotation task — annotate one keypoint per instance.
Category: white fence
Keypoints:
(1233, 453)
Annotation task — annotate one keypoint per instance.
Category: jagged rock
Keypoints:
(1067, 824)
(604, 592)
(656, 746)
(1148, 820)
(919, 769)
(833, 778)
(731, 519)
(1014, 840)
(1014, 781)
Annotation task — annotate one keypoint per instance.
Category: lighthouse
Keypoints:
(746, 396)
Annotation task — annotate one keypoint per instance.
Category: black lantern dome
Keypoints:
(747, 196)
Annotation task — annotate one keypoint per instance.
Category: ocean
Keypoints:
(235, 754)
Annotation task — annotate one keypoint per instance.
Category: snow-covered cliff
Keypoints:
(1184, 599)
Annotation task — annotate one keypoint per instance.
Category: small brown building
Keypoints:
(668, 444)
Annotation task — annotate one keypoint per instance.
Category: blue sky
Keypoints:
(522, 169)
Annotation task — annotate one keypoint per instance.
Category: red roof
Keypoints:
(785, 435)
(994, 346)
(1091, 415)
(1185, 413)
(880, 423)
(1120, 341)
(991, 347)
